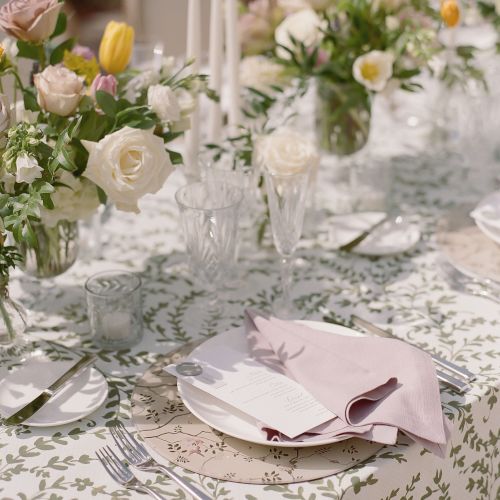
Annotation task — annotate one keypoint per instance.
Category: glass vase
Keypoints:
(56, 252)
(13, 320)
(343, 117)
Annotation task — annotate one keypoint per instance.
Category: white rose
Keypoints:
(163, 101)
(128, 164)
(77, 201)
(373, 69)
(285, 152)
(27, 169)
(304, 26)
(260, 72)
(59, 90)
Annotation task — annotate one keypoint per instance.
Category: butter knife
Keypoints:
(347, 247)
(444, 363)
(32, 407)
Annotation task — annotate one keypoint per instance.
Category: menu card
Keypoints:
(268, 396)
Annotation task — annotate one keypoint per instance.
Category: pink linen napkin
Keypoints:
(385, 384)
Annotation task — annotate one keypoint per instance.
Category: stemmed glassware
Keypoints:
(287, 201)
(209, 218)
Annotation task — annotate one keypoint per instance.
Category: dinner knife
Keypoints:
(370, 327)
(32, 407)
(347, 247)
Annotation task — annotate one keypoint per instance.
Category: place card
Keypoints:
(268, 396)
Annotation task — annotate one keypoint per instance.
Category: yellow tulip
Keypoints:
(450, 13)
(2, 51)
(116, 47)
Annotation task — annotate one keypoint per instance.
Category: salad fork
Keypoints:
(119, 471)
(137, 455)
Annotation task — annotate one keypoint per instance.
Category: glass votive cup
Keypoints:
(114, 305)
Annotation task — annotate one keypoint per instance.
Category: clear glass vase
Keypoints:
(13, 321)
(343, 117)
(56, 252)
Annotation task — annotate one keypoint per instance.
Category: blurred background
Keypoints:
(153, 20)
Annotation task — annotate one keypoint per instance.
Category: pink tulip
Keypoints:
(106, 83)
(83, 51)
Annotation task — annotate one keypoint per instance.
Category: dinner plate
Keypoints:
(466, 247)
(396, 235)
(78, 398)
(228, 419)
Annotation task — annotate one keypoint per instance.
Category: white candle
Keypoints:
(215, 60)
(233, 52)
(193, 51)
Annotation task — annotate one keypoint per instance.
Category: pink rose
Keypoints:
(30, 20)
(106, 83)
(83, 51)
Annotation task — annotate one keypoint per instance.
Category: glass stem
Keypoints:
(286, 281)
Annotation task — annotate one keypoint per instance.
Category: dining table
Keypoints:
(406, 293)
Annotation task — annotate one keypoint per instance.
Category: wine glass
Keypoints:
(287, 202)
(209, 218)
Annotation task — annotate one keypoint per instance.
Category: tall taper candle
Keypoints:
(193, 51)
(216, 53)
(233, 51)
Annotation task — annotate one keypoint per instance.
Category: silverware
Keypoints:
(474, 286)
(356, 241)
(137, 455)
(458, 370)
(120, 472)
(32, 407)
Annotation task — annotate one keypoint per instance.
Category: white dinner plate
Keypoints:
(228, 419)
(78, 398)
(396, 235)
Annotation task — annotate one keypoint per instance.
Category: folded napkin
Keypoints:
(384, 384)
(488, 210)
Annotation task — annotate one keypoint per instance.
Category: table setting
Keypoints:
(206, 295)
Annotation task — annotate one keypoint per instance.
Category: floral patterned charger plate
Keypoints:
(178, 436)
(466, 247)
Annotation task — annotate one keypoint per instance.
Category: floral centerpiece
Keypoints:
(86, 129)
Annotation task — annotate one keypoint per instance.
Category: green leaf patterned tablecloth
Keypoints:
(405, 293)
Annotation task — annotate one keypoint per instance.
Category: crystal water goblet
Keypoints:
(209, 217)
(286, 195)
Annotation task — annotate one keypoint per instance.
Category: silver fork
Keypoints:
(119, 471)
(137, 455)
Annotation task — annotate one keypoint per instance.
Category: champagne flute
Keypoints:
(287, 202)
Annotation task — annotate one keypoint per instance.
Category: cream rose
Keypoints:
(373, 69)
(59, 90)
(260, 72)
(30, 20)
(163, 101)
(27, 169)
(285, 152)
(128, 164)
(77, 201)
(304, 26)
